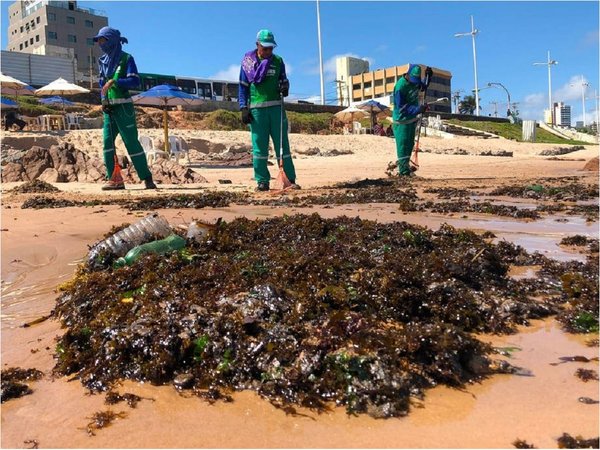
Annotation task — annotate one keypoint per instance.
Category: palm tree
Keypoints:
(467, 105)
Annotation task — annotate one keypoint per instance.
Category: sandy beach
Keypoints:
(41, 249)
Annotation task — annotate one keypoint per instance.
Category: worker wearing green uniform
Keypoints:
(406, 110)
(263, 84)
(118, 74)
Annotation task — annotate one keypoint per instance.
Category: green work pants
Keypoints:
(121, 120)
(266, 123)
(405, 141)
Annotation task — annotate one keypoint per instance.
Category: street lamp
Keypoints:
(320, 53)
(549, 63)
(507, 94)
(473, 33)
(584, 85)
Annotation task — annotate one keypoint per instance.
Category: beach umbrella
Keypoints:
(165, 95)
(12, 86)
(61, 86)
(57, 100)
(350, 114)
(373, 107)
(7, 103)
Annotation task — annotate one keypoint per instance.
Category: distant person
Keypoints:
(10, 119)
(389, 132)
(263, 84)
(118, 74)
(406, 109)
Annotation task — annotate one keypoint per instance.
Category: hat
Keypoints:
(266, 38)
(414, 73)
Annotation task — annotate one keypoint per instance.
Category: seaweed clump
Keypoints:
(571, 191)
(586, 375)
(34, 186)
(102, 419)
(304, 310)
(12, 382)
(520, 443)
(568, 441)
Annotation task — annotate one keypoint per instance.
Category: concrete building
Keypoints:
(56, 28)
(562, 114)
(379, 85)
(347, 66)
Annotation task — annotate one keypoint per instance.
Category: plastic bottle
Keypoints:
(169, 244)
(138, 233)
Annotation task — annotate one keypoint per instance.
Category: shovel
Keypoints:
(282, 182)
(414, 162)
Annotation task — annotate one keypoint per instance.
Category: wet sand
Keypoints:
(41, 248)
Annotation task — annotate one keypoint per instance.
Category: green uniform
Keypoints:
(121, 120)
(406, 103)
(265, 107)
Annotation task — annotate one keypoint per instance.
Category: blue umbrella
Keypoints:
(56, 99)
(7, 103)
(165, 95)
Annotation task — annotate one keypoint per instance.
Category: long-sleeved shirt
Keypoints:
(406, 100)
(130, 81)
(244, 89)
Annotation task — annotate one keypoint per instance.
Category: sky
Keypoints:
(208, 39)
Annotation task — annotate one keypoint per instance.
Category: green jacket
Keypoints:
(406, 100)
(267, 92)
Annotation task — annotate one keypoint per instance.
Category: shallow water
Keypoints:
(40, 252)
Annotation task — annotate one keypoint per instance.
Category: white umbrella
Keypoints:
(350, 114)
(12, 86)
(61, 87)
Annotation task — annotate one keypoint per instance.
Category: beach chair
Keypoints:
(151, 152)
(72, 121)
(176, 147)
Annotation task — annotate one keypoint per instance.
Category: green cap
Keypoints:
(414, 73)
(266, 38)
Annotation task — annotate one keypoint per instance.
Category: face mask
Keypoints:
(106, 47)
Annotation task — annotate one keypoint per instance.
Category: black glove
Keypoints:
(246, 116)
(284, 87)
(105, 106)
(428, 75)
(428, 72)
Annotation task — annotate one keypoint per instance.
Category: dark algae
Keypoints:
(34, 186)
(586, 374)
(307, 312)
(520, 443)
(568, 441)
(102, 419)
(13, 382)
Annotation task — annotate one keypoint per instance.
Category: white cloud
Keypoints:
(311, 98)
(329, 67)
(232, 73)
(570, 91)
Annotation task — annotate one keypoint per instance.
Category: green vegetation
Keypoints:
(514, 131)
(222, 119)
(309, 123)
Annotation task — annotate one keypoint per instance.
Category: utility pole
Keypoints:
(91, 72)
(456, 98)
(495, 103)
(340, 92)
(584, 85)
(549, 63)
(320, 53)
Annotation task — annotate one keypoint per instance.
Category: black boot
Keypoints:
(149, 183)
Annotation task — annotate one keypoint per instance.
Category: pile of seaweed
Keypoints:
(479, 207)
(550, 190)
(13, 385)
(303, 310)
(35, 186)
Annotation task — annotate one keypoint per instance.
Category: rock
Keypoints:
(13, 171)
(184, 381)
(239, 148)
(50, 175)
(592, 165)
(35, 161)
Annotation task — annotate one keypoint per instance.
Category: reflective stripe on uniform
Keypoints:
(137, 154)
(119, 101)
(266, 104)
(109, 150)
(287, 156)
(260, 157)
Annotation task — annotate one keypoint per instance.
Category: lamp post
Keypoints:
(549, 63)
(473, 33)
(583, 85)
(507, 95)
(320, 53)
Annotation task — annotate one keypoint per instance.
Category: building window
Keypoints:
(20, 46)
(368, 85)
(37, 19)
(90, 42)
(37, 38)
(21, 28)
(72, 38)
(70, 19)
(31, 41)
(52, 35)
(33, 23)
(89, 24)
(51, 17)
(356, 87)
(378, 83)
(26, 44)
(389, 80)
